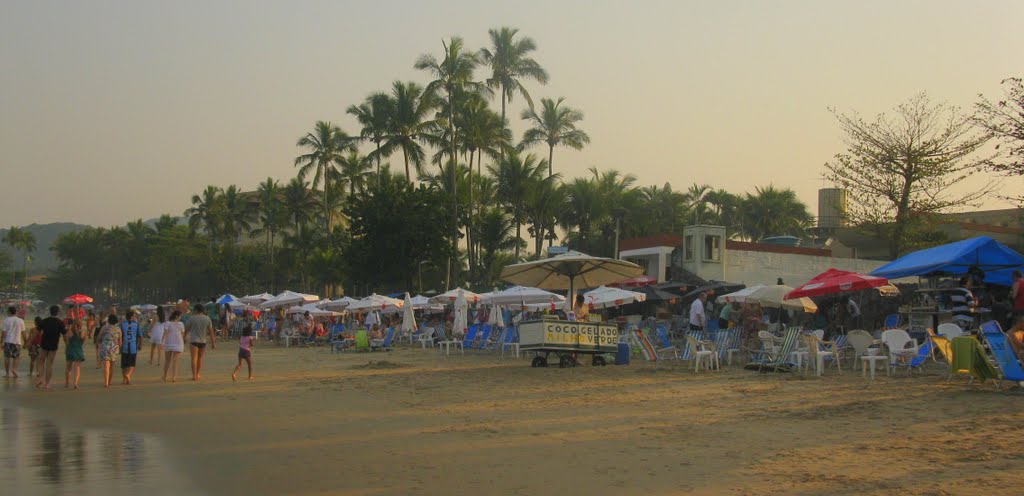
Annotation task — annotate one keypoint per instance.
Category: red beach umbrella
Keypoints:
(77, 299)
(836, 281)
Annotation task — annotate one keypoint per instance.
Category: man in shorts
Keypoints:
(52, 329)
(13, 339)
(198, 330)
(131, 336)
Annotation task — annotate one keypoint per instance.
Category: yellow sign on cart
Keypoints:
(582, 336)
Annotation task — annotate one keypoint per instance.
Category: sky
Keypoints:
(112, 111)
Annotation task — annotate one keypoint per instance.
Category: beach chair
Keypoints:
(727, 342)
(471, 336)
(820, 349)
(1007, 361)
(892, 321)
(445, 343)
(924, 352)
(969, 358)
(687, 352)
(337, 341)
(511, 340)
(900, 345)
(942, 345)
(702, 354)
(663, 347)
(362, 341)
(485, 338)
(777, 360)
(426, 337)
(644, 344)
(385, 342)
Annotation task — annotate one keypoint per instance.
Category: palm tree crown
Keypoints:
(327, 145)
(555, 125)
(510, 63)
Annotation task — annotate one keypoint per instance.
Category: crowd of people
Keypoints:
(117, 339)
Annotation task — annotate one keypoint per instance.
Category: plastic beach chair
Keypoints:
(485, 338)
(362, 341)
(969, 358)
(778, 358)
(337, 342)
(1006, 359)
(446, 343)
(385, 343)
(892, 321)
(426, 337)
(471, 336)
(510, 340)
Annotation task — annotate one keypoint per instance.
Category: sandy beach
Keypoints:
(412, 421)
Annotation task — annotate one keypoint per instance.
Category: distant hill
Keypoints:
(43, 259)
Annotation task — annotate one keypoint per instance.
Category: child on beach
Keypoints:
(244, 352)
(35, 338)
(74, 353)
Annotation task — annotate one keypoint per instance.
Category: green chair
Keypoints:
(969, 358)
(362, 341)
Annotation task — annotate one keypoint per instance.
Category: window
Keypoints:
(712, 248)
(688, 248)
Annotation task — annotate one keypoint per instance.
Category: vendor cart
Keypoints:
(567, 340)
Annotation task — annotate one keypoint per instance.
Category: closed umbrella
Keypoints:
(409, 325)
(460, 325)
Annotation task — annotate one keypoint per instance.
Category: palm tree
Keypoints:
(452, 74)
(484, 132)
(374, 114)
(554, 125)
(510, 63)
(237, 214)
(272, 215)
(407, 123)
(773, 212)
(327, 145)
(207, 210)
(353, 171)
(543, 203)
(165, 223)
(24, 241)
(494, 232)
(299, 202)
(516, 175)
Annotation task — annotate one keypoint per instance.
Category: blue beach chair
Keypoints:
(467, 342)
(1009, 366)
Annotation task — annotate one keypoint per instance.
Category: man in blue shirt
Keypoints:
(131, 337)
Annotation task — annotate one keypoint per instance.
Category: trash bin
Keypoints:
(622, 354)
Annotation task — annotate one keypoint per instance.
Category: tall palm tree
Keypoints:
(237, 214)
(555, 125)
(510, 63)
(353, 171)
(272, 215)
(207, 211)
(299, 202)
(326, 144)
(484, 132)
(165, 223)
(374, 114)
(495, 233)
(543, 203)
(516, 175)
(452, 74)
(408, 122)
(22, 240)
(697, 201)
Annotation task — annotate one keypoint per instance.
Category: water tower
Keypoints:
(832, 208)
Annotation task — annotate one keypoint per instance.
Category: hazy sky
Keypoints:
(111, 111)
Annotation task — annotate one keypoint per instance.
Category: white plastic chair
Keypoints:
(702, 354)
(900, 345)
(426, 338)
(820, 349)
(950, 331)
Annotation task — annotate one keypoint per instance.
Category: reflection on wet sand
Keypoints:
(39, 456)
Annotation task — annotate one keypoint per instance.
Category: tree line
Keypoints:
(468, 197)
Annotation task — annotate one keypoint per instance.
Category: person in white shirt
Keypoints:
(698, 319)
(14, 339)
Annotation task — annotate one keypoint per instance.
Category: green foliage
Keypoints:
(395, 226)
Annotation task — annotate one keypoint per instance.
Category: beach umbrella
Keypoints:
(409, 325)
(338, 305)
(523, 295)
(226, 298)
(289, 298)
(837, 281)
(717, 287)
(375, 302)
(570, 271)
(148, 307)
(741, 295)
(775, 297)
(460, 324)
(77, 299)
(314, 311)
(255, 299)
(449, 297)
(419, 301)
(605, 297)
(634, 282)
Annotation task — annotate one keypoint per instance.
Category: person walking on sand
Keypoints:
(156, 336)
(13, 339)
(245, 344)
(109, 344)
(199, 329)
(173, 344)
(131, 336)
(53, 330)
(74, 352)
(35, 338)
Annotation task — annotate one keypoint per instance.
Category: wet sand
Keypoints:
(421, 423)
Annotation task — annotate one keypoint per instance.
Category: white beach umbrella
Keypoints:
(289, 298)
(461, 323)
(449, 297)
(148, 307)
(408, 317)
(338, 305)
(314, 311)
(419, 301)
(774, 297)
(570, 271)
(523, 295)
(605, 297)
(375, 302)
(741, 295)
(255, 299)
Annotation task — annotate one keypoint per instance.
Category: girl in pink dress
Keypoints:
(244, 352)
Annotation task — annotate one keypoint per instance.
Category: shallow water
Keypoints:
(40, 456)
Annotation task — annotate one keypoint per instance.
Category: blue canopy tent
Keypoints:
(227, 298)
(989, 255)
